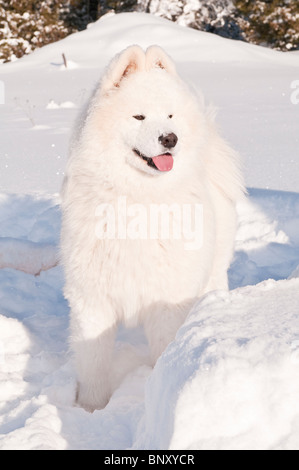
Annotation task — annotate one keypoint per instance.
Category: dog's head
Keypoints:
(144, 113)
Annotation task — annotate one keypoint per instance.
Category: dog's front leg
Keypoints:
(92, 342)
(161, 325)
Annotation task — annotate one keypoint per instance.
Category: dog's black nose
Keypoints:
(168, 141)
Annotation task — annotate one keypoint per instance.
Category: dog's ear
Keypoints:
(157, 58)
(123, 65)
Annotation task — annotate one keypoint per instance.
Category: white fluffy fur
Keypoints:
(154, 282)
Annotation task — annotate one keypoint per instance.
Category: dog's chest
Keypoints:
(147, 272)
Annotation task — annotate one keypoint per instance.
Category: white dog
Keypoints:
(145, 145)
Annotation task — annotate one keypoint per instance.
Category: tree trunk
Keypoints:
(93, 9)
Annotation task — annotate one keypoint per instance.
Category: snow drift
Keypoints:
(231, 374)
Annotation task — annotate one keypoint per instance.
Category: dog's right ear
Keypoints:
(123, 65)
(156, 57)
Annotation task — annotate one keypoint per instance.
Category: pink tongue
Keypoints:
(163, 162)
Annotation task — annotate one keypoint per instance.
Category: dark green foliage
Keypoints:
(274, 23)
(27, 24)
(117, 6)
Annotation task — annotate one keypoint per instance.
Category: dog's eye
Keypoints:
(170, 116)
(139, 117)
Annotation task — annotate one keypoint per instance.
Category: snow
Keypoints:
(230, 379)
(236, 382)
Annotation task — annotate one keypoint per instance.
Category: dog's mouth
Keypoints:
(163, 162)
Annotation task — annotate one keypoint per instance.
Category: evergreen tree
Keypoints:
(117, 6)
(273, 23)
(216, 16)
(27, 24)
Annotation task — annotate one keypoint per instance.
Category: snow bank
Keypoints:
(267, 243)
(29, 233)
(65, 104)
(27, 256)
(232, 374)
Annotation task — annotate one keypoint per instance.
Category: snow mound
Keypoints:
(232, 374)
(29, 233)
(65, 104)
(27, 256)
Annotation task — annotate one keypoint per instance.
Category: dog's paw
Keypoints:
(90, 398)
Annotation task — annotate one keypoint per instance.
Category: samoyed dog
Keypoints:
(149, 217)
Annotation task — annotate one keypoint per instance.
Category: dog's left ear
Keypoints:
(155, 57)
(122, 66)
